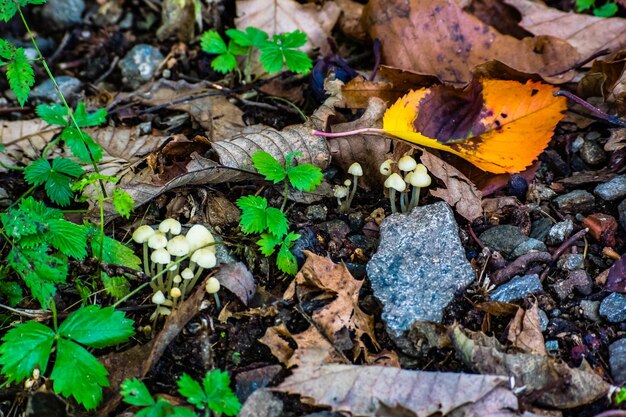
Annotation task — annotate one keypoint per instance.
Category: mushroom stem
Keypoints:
(415, 197)
(147, 266)
(403, 206)
(392, 198)
(159, 277)
(352, 192)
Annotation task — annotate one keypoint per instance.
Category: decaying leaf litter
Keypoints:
(539, 329)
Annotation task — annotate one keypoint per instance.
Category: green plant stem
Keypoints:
(285, 192)
(247, 71)
(290, 104)
(10, 168)
(53, 307)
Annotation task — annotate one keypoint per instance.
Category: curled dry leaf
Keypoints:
(437, 37)
(616, 141)
(525, 331)
(459, 193)
(552, 383)
(281, 16)
(238, 279)
(607, 79)
(588, 34)
(377, 390)
(616, 280)
(24, 140)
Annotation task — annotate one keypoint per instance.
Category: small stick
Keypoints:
(569, 242)
(365, 130)
(614, 120)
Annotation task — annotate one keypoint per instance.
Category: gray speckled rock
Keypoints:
(559, 232)
(612, 190)
(592, 153)
(590, 309)
(140, 64)
(64, 13)
(46, 91)
(617, 360)
(621, 210)
(503, 238)
(527, 246)
(571, 261)
(577, 201)
(613, 307)
(517, 288)
(419, 266)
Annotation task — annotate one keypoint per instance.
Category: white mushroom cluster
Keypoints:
(415, 175)
(174, 261)
(344, 191)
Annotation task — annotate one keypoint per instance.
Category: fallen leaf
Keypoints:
(550, 382)
(281, 16)
(178, 18)
(616, 281)
(349, 22)
(616, 141)
(525, 331)
(237, 279)
(377, 390)
(607, 79)
(459, 193)
(588, 34)
(498, 125)
(437, 37)
(357, 92)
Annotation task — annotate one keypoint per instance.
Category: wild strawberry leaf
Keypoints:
(219, 397)
(251, 37)
(20, 75)
(69, 238)
(305, 177)
(25, 347)
(268, 166)
(7, 49)
(123, 203)
(268, 243)
(276, 222)
(135, 392)
(212, 42)
(285, 260)
(499, 126)
(97, 327)
(252, 213)
(55, 114)
(57, 177)
(84, 119)
(191, 389)
(81, 144)
(7, 9)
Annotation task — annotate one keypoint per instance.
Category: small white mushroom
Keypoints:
(420, 179)
(385, 167)
(407, 163)
(141, 235)
(199, 236)
(356, 171)
(171, 226)
(394, 183)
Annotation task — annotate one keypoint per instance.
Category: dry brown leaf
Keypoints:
(24, 140)
(525, 331)
(357, 92)
(368, 150)
(616, 141)
(280, 16)
(349, 22)
(343, 313)
(459, 193)
(377, 390)
(552, 383)
(178, 18)
(588, 34)
(437, 37)
(607, 79)
(237, 279)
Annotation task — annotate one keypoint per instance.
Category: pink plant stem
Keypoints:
(348, 133)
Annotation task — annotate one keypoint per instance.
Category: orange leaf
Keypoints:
(499, 126)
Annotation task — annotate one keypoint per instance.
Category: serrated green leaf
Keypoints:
(81, 144)
(114, 252)
(191, 389)
(29, 219)
(12, 292)
(35, 2)
(67, 167)
(182, 412)
(286, 262)
(39, 270)
(268, 166)
(606, 10)
(271, 57)
(117, 286)
(220, 398)
(251, 37)
(69, 238)
(291, 40)
(20, 75)
(252, 213)
(54, 114)
(582, 5)
(84, 119)
(7, 49)
(212, 42)
(135, 392)
(25, 347)
(78, 373)
(236, 49)
(268, 243)
(97, 327)
(123, 203)
(37, 172)
(224, 63)
(305, 177)
(276, 222)
(7, 9)
(297, 61)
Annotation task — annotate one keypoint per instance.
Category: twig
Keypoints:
(25, 312)
(614, 120)
(519, 266)
(109, 71)
(569, 242)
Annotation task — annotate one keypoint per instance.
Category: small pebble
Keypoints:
(590, 310)
(317, 213)
(503, 238)
(337, 229)
(571, 261)
(527, 246)
(140, 64)
(617, 361)
(577, 144)
(593, 136)
(543, 320)
(576, 201)
(615, 189)
(63, 13)
(46, 91)
(576, 280)
(621, 210)
(613, 307)
(592, 153)
(552, 345)
(517, 288)
(559, 232)
(355, 221)
(540, 228)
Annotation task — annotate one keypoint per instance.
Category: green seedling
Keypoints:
(608, 9)
(75, 372)
(270, 222)
(275, 54)
(214, 395)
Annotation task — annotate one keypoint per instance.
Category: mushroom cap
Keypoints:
(172, 226)
(172, 266)
(347, 183)
(212, 285)
(178, 246)
(158, 298)
(177, 279)
(199, 236)
(356, 170)
(143, 233)
(157, 241)
(420, 179)
(175, 292)
(340, 191)
(385, 167)
(161, 256)
(420, 168)
(204, 258)
(407, 163)
(396, 182)
(187, 273)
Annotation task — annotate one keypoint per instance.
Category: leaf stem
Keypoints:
(364, 130)
(285, 193)
(614, 120)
